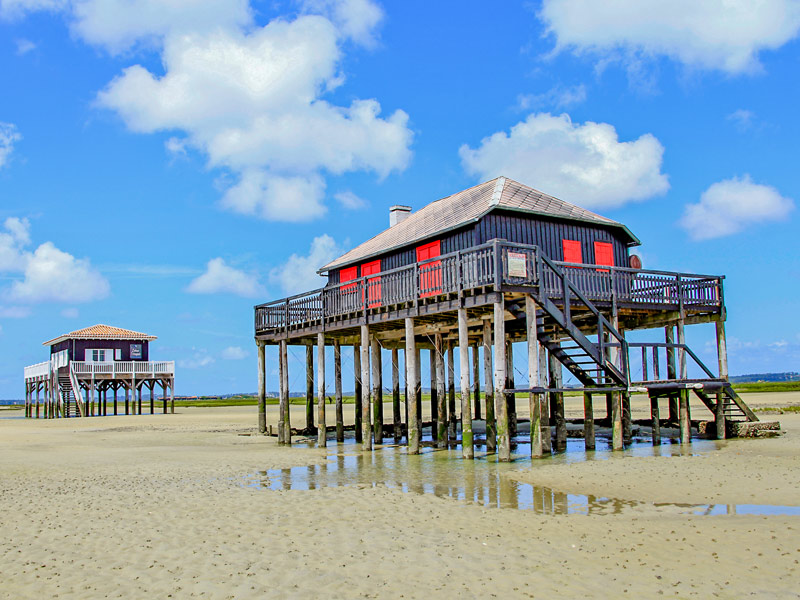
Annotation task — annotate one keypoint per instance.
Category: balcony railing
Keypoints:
(124, 368)
(496, 265)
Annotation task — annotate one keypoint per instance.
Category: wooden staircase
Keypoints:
(733, 406)
(73, 407)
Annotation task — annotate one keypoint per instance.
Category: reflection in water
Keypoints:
(482, 481)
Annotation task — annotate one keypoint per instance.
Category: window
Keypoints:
(604, 255)
(373, 283)
(430, 274)
(98, 355)
(117, 354)
(572, 251)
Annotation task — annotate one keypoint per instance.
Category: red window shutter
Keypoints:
(604, 255)
(346, 275)
(373, 283)
(572, 251)
(430, 274)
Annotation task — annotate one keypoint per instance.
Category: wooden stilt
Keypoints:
(500, 405)
(309, 388)
(377, 390)
(412, 374)
(627, 423)
(152, 386)
(172, 395)
(262, 388)
(451, 392)
(337, 382)
(557, 398)
(476, 382)
(441, 393)
(38, 388)
(357, 387)
(418, 391)
(467, 448)
(669, 334)
(533, 377)
(139, 399)
(685, 418)
(655, 420)
(322, 438)
(164, 385)
(616, 424)
(488, 382)
(544, 381)
(434, 399)
(116, 389)
(366, 423)
(722, 358)
(127, 400)
(511, 399)
(283, 393)
(91, 401)
(397, 427)
(588, 421)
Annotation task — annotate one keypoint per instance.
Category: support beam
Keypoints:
(557, 398)
(366, 423)
(467, 449)
(655, 420)
(172, 395)
(616, 421)
(451, 391)
(309, 388)
(544, 381)
(685, 418)
(722, 359)
(588, 421)
(283, 394)
(412, 374)
(511, 399)
(441, 393)
(500, 405)
(669, 336)
(533, 378)
(322, 438)
(488, 382)
(337, 377)
(397, 427)
(262, 388)
(377, 390)
(434, 393)
(357, 387)
(476, 381)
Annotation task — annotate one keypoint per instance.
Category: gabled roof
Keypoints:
(101, 332)
(468, 207)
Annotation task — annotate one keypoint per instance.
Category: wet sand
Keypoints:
(160, 506)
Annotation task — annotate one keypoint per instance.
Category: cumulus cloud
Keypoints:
(253, 103)
(350, 201)
(725, 35)
(234, 353)
(219, 278)
(357, 19)
(12, 9)
(584, 164)
(731, 205)
(299, 273)
(8, 137)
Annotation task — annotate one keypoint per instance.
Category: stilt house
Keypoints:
(85, 364)
(494, 264)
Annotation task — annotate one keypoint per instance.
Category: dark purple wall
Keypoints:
(77, 348)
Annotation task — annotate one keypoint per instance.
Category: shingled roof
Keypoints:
(467, 207)
(101, 332)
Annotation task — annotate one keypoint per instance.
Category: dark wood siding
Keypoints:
(77, 348)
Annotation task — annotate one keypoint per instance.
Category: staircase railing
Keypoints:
(652, 364)
(76, 390)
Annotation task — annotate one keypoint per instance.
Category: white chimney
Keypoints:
(398, 214)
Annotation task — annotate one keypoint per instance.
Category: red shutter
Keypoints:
(572, 251)
(430, 274)
(603, 255)
(373, 283)
(348, 293)
(346, 275)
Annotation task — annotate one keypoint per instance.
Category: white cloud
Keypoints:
(584, 164)
(219, 278)
(350, 201)
(14, 312)
(70, 313)
(742, 118)
(725, 35)
(12, 243)
(252, 102)
(8, 137)
(52, 275)
(198, 360)
(357, 19)
(234, 353)
(299, 273)
(12, 9)
(558, 97)
(731, 205)
(24, 46)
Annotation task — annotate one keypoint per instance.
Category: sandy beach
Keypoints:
(176, 506)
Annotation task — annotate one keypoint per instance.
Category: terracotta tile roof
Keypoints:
(466, 207)
(101, 332)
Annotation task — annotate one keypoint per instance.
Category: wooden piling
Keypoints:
(588, 421)
(669, 336)
(476, 381)
(557, 398)
(434, 389)
(262, 388)
(451, 392)
(397, 427)
(441, 393)
(511, 399)
(655, 420)
(283, 393)
(685, 418)
(337, 376)
(500, 405)
(488, 382)
(616, 421)
(412, 357)
(533, 378)
(722, 359)
(322, 438)
(418, 391)
(467, 448)
(377, 390)
(544, 379)
(127, 400)
(309, 388)
(366, 422)
(627, 423)
(357, 387)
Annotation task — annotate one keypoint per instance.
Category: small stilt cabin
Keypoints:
(479, 270)
(85, 364)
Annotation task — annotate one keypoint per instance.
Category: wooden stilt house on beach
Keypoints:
(495, 264)
(85, 364)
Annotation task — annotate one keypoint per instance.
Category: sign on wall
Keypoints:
(136, 351)
(517, 265)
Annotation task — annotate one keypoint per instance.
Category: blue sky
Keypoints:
(166, 165)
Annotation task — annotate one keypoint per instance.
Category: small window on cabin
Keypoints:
(572, 251)
(117, 354)
(603, 255)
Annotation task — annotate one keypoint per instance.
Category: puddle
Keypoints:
(445, 474)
